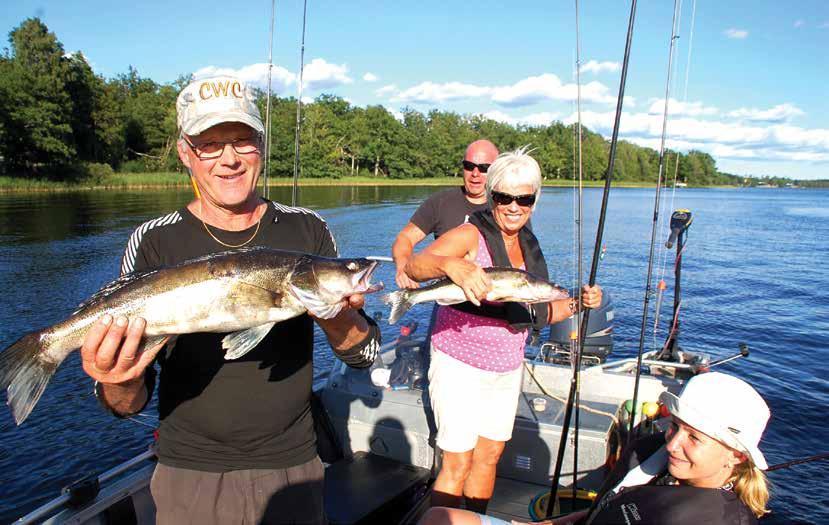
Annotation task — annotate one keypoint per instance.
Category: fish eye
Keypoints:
(351, 266)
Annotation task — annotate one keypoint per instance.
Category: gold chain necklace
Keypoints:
(226, 245)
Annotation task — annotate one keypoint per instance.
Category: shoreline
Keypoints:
(154, 181)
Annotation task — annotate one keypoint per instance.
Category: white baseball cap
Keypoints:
(210, 101)
(724, 407)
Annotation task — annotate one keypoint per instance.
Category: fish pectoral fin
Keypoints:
(450, 300)
(261, 293)
(315, 305)
(240, 343)
(151, 341)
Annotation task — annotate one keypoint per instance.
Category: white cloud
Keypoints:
(255, 75)
(730, 139)
(676, 108)
(535, 119)
(592, 66)
(388, 89)
(824, 25)
(737, 34)
(799, 23)
(779, 113)
(548, 86)
(430, 92)
(370, 77)
(319, 74)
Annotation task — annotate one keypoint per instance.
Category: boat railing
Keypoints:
(85, 489)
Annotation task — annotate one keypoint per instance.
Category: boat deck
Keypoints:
(512, 498)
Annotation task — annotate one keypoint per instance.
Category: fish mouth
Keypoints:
(362, 280)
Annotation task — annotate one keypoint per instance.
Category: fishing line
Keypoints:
(265, 187)
(664, 253)
(654, 227)
(299, 106)
(596, 253)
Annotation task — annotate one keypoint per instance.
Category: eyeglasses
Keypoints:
(468, 165)
(214, 150)
(505, 199)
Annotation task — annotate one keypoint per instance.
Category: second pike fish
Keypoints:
(508, 285)
(244, 292)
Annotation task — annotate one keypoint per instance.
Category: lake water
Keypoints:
(753, 272)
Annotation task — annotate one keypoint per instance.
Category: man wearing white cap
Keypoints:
(706, 469)
(236, 441)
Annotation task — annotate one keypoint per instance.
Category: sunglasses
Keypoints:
(505, 199)
(468, 165)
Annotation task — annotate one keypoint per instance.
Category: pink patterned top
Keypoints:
(483, 342)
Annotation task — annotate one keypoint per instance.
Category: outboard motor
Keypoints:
(597, 344)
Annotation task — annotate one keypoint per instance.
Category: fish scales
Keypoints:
(242, 292)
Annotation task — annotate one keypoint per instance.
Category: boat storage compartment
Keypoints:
(397, 424)
(366, 486)
(530, 455)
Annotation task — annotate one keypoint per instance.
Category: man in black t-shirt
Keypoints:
(446, 209)
(236, 440)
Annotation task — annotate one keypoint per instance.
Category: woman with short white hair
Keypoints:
(478, 347)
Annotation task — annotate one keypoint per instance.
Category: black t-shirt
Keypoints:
(660, 502)
(443, 211)
(254, 412)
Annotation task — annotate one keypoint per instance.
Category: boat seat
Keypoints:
(365, 486)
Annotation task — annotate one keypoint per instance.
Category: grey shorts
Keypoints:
(260, 496)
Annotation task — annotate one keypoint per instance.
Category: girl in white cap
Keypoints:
(707, 468)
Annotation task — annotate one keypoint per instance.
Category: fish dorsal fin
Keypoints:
(112, 287)
(240, 343)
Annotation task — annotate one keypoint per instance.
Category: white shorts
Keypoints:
(469, 402)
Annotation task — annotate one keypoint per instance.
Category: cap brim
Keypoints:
(205, 122)
(703, 423)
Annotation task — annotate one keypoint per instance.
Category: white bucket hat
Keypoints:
(210, 101)
(724, 407)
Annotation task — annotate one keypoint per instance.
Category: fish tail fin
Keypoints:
(24, 372)
(400, 302)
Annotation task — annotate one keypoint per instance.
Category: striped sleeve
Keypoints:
(131, 253)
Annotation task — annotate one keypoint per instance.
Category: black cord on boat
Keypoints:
(565, 429)
(294, 197)
(646, 301)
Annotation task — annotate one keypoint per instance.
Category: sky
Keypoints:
(748, 78)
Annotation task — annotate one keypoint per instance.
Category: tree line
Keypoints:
(59, 119)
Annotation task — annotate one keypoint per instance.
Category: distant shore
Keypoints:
(139, 181)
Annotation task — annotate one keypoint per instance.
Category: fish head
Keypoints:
(336, 279)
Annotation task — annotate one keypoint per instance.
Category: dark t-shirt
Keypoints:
(253, 412)
(660, 501)
(443, 211)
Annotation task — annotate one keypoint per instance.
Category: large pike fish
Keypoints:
(508, 285)
(244, 292)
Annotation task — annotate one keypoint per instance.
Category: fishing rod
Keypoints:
(265, 187)
(577, 348)
(299, 107)
(655, 224)
(794, 462)
(595, 263)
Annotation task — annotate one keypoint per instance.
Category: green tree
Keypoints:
(36, 109)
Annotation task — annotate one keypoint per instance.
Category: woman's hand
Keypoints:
(591, 296)
(469, 276)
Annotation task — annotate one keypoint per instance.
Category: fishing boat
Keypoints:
(377, 438)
